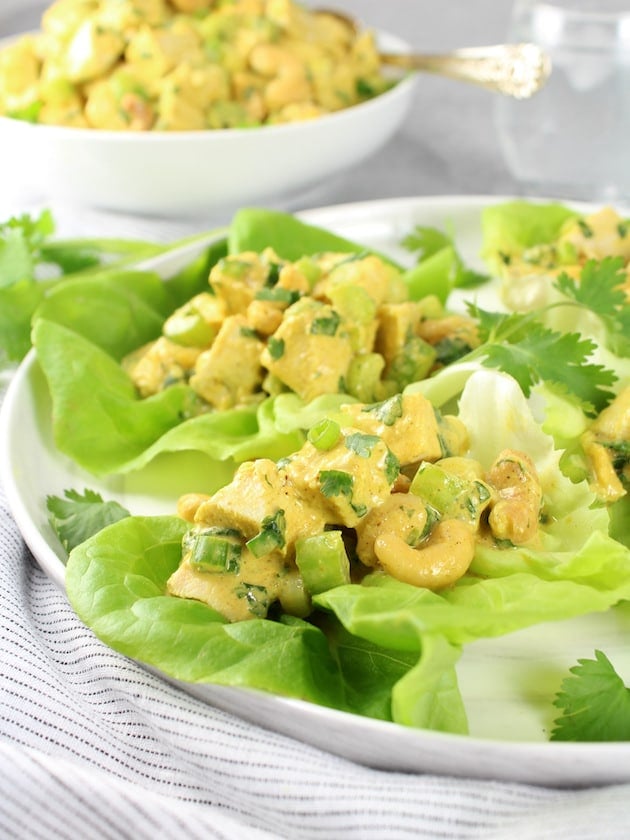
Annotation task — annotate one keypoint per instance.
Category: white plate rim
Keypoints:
(367, 741)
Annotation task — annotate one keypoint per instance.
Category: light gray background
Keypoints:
(448, 144)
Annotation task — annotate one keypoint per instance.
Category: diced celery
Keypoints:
(450, 495)
(322, 561)
(309, 269)
(214, 552)
(364, 376)
(293, 596)
(190, 329)
(353, 302)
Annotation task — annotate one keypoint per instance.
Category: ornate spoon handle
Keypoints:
(518, 70)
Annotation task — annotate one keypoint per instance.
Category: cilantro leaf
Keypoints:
(21, 237)
(77, 517)
(530, 352)
(595, 703)
(600, 289)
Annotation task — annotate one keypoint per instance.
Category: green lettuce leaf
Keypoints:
(520, 588)
(116, 584)
(510, 227)
(254, 229)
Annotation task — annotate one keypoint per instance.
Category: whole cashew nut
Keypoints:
(401, 513)
(441, 561)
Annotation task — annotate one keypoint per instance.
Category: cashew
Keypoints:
(460, 327)
(401, 513)
(138, 111)
(188, 505)
(441, 561)
(515, 513)
(287, 77)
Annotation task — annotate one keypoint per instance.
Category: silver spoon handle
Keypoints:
(517, 70)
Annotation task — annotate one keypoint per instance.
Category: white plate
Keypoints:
(507, 683)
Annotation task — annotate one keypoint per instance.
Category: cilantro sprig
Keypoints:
(78, 516)
(530, 352)
(595, 703)
(600, 290)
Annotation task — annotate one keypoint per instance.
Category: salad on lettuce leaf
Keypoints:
(215, 372)
(436, 495)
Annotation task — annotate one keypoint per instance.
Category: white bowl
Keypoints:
(192, 172)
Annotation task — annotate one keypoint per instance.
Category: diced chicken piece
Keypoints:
(257, 492)
(237, 279)
(106, 109)
(197, 86)
(234, 596)
(601, 234)
(92, 51)
(398, 322)
(264, 316)
(62, 18)
(453, 327)
(159, 364)
(127, 15)
(229, 372)
(348, 480)
(154, 52)
(370, 273)
(407, 423)
(311, 351)
(19, 72)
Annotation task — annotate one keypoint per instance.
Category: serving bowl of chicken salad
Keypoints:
(352, 471)
(167, 107)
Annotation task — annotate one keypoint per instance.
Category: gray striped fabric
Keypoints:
(94, 746)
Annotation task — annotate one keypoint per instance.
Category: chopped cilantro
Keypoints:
(326, 325)
(275, 347)
(361, 444)
(336, 483)
(271, 535)
(600, 290)
(387, 411)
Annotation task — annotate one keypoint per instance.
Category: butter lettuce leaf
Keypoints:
(508, 228)
(116, 582)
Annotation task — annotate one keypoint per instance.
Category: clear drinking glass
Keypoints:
(572, 139)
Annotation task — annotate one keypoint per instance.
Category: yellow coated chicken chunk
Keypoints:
(604, 445)
(259, 493)
(229, 372)
(310, 351)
